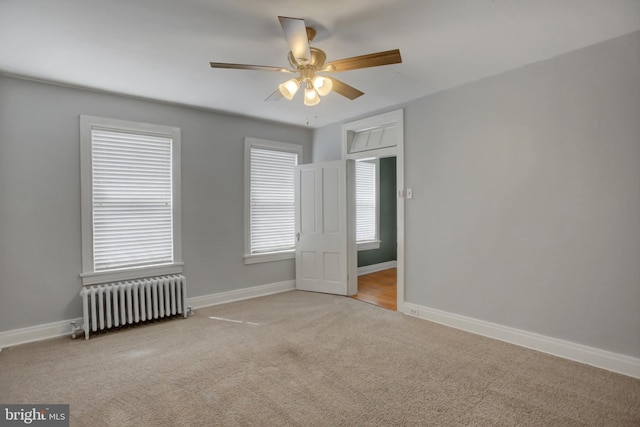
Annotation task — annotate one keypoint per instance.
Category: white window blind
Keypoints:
(272, 200)
(132, 200)
(366, 201)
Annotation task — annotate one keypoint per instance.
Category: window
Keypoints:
(130, 200)
(270, 199)
(367, 196)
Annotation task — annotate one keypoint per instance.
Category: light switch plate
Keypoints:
(409, 193)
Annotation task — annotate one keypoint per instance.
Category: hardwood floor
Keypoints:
(378, 288)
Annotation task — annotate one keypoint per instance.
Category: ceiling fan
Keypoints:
(309, 63)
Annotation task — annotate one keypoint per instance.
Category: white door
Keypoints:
(325, 234)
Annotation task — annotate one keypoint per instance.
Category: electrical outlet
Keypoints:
(414, 312)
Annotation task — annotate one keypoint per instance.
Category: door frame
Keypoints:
(392, 120)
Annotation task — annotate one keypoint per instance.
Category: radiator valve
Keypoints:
(74, 330)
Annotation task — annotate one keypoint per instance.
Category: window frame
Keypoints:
(266, 144)
(88, 275)
(375, 243)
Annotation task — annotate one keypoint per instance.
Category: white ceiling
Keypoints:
(160, 49)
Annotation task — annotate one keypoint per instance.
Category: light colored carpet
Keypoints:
(308, 359)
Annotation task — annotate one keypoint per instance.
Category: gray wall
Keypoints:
(388, 218)
(526, 208)
(40, 239)
(327, 143)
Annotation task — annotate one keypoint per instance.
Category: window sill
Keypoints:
(366, 246)
(94, 278)
(268, 257)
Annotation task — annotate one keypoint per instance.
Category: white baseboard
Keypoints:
(376, 267)
(37, 333)
(62, 328)
(240, 294)
(615, 362)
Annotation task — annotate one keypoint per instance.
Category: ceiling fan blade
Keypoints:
(275, 96)
(249, 67)
(365, 61)
(344, 89)
(295, 31)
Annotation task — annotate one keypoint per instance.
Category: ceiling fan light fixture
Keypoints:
(322, 85)
(289, 88)
(307, 61)
(310, 95)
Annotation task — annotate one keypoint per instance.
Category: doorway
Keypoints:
(381, 136)
(377, 266)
